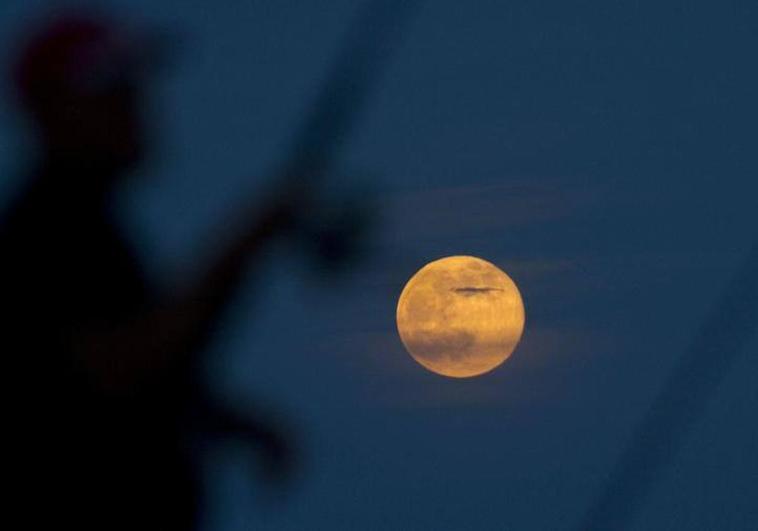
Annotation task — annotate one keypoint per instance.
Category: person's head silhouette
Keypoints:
(79, 79)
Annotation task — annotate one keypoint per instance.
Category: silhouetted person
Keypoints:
(102, 391)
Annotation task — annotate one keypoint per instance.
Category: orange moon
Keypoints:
(460, 316)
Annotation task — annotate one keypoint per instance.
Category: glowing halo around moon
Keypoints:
(460, 316)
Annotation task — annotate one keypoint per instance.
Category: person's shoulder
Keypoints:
(17, 217)
(28, 226)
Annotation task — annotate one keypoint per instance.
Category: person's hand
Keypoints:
(278, 458)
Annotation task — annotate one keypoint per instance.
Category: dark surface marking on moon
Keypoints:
(435, 346)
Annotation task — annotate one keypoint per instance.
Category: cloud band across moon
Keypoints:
(474, 291)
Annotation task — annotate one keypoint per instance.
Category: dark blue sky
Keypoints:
(601, 153)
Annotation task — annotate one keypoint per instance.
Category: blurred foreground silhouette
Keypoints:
(104, 393)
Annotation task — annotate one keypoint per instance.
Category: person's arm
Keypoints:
(123, 356)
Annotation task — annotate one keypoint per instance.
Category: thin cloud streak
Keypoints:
(474, 291)
(455, 211)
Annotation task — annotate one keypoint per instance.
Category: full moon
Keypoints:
(460, 316)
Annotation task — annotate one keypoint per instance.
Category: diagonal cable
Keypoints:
(683, 398)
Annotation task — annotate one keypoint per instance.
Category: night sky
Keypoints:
(601, 153)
